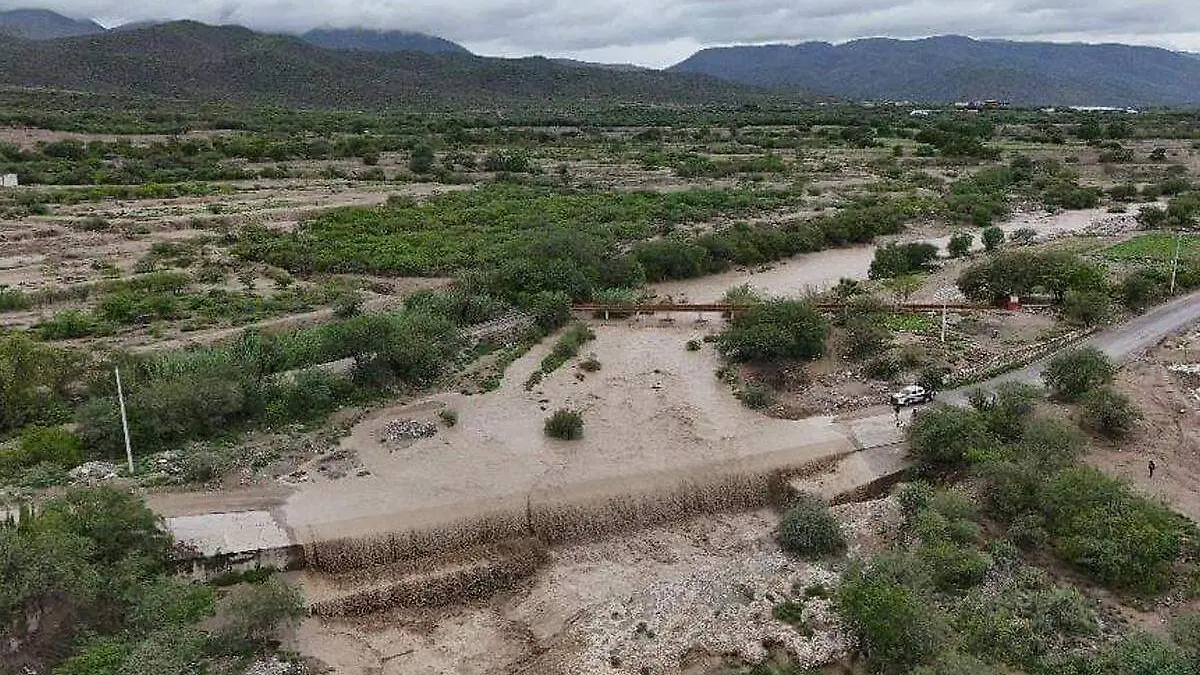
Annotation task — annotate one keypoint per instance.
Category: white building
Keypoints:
(9, 180)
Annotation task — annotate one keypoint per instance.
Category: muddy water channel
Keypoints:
(816, 272)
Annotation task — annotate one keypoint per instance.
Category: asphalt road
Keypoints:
(1119, 342)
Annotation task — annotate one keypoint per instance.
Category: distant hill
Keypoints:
(619, 67)
(42, 24)
(363, 39)
(193, 61)
(952, 68)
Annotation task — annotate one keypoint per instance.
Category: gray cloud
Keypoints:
(660, 31)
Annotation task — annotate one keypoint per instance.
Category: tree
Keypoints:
(960, 244)
(779, 329)
(1073, 373)
(993, 237)
(809, 530)
(1109, 413)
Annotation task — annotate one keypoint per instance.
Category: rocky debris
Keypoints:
(273, 666)
(1114, 225)
(407, 430)
(169, 462)
(90, 472)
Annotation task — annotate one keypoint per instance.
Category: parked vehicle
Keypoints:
(912, 395)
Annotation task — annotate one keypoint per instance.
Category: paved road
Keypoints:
(1119, 342)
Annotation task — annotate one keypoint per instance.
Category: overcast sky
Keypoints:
(663, 32)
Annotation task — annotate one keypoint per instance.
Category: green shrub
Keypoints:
(960, 244)
(567, 347)
(1073, 373)
(886, 605)
(1109, 413)
(1086, 308)
(12, 299)
(756, 395)
(253, 613)
(1144, 654)
(693, 345)
(953, 567)
(866, 335)
(1051, 443)
(948, 436)
(779, 329)
(1007, 410)
(1185, 633)
(1142, 289)
(897, 260)
(882, 368)
(809, 530)
(565, 424)
(993, 237)
(590, 365)
(1109, 532)
(449, 417)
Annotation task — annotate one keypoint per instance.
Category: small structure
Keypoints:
(9, 180)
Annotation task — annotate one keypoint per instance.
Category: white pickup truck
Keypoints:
(911, 395)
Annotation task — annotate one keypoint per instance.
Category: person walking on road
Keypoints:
(896, 408)
(1152, 466)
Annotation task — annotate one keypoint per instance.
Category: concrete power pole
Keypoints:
(124, 421)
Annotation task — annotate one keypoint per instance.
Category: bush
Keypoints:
(449, 417)
(1073, 373)
(1110, 533)
(1007, 410)
(866, 335)
(253, 613)
(1144, 654)
(590, 365)
(1051, 443)
(1141, 289)
(780, 329)
(1109, 413)
(756, 396)
(993, 237)
(693, 345)
(953, 567)
(42, 445)
(882, 368)
(565, 424)
(885, 604)
(897, 260)
(1086, 308)
(1023, 236)
(960, 244)
(947, 436)
(809, 530)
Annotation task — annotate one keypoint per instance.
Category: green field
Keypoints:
(1154, 247)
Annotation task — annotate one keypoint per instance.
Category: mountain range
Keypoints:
(953, 68)
(362, 67)
(193, 61)
(42, 24)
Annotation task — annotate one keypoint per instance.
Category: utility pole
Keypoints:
(124, 420)
(1175, 261)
